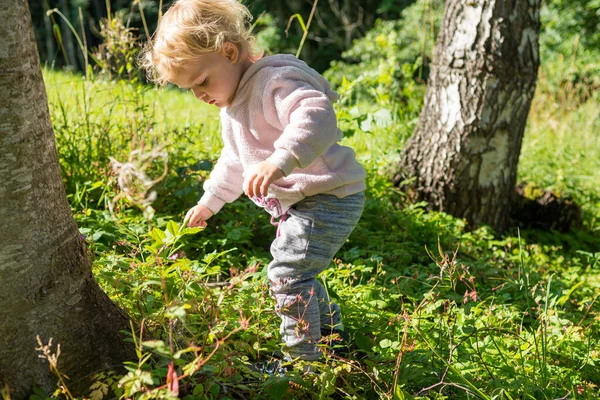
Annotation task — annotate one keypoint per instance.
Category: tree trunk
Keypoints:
(46, 284)
(464, 153)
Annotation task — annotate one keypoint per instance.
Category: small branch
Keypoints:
(217, 284)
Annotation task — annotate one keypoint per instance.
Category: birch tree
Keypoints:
(46, 284)
(463, 155)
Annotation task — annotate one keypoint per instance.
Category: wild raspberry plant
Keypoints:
(528, 329)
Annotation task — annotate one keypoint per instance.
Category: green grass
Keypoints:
(435, 311)
(561, 148)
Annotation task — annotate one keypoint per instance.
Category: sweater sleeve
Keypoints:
(225, 183)
(307, 119)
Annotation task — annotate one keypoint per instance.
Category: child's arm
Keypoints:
(306, 116)
(223, 186)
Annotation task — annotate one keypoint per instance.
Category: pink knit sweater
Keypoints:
(282, 112)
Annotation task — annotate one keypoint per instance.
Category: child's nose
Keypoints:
(199, 94)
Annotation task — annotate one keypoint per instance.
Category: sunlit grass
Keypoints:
(502, 318)
(170, 109)
(561, 146)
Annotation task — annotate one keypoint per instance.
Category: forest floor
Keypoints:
(435, 310)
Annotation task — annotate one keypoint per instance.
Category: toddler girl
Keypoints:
(280, 148)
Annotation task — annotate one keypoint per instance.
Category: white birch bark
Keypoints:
(464, 152)
(46, 285)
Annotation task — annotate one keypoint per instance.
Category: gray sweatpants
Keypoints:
(313, 232)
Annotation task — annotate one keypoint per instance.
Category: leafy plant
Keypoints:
(118, 51)
(384, 64)
(434, 311)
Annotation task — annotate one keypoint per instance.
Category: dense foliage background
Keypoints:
(335, 25)
(435, 310)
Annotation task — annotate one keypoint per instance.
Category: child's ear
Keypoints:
(231, 51)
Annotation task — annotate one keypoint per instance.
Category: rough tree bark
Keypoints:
(464, 153)
(46, 284)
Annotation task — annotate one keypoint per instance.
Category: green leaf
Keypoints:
(172, 228)
(39, 394)
(203, 165)
(57, 33)
(563, 299)
(214, 389)
(99, 390)
(300, 21)
(278, 387)
(400, 394)
(183, 264)
(148, 283)
(159, 346)
(97, 185)
(198, 390)
(191, 231)
(158, 236)
(383, 118)
(363, 342)
(98, 234)
(367, 124)
(209, 258)
(177, 311)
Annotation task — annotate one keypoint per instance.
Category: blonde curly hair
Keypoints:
(191, 28)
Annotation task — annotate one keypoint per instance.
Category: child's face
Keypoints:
(212, 77)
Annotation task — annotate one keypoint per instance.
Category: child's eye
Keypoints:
(203, 82)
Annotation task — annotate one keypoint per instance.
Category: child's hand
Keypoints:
(258, 179)
(198, 215)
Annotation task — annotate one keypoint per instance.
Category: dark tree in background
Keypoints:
(463, 154)
(46, 284)
(335, 24)
(57, 44)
